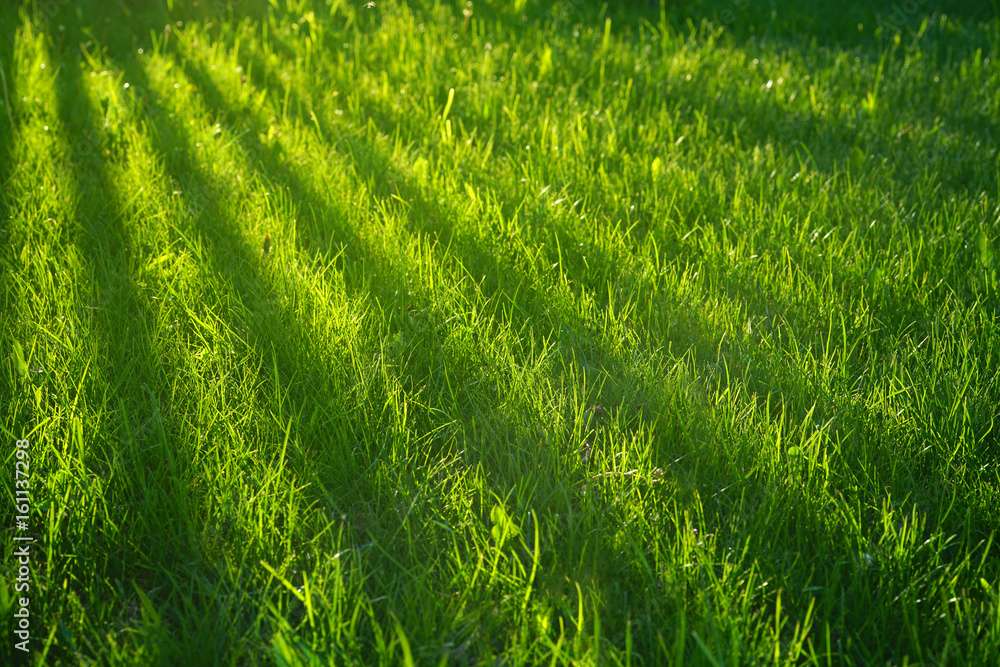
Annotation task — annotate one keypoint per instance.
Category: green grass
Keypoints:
(505, 332)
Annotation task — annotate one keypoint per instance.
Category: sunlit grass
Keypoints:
(503, 332)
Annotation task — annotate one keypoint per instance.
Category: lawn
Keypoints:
(502, 332)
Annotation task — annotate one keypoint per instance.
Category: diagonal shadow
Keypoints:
(436, 221)
(429, 220)
(160, 546)
(794, 317)
(269, 322)
(144, 528)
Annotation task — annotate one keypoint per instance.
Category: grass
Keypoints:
(502, 332)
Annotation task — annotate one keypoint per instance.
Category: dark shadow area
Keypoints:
(8, 112)
(830, 24)
(761, 119)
